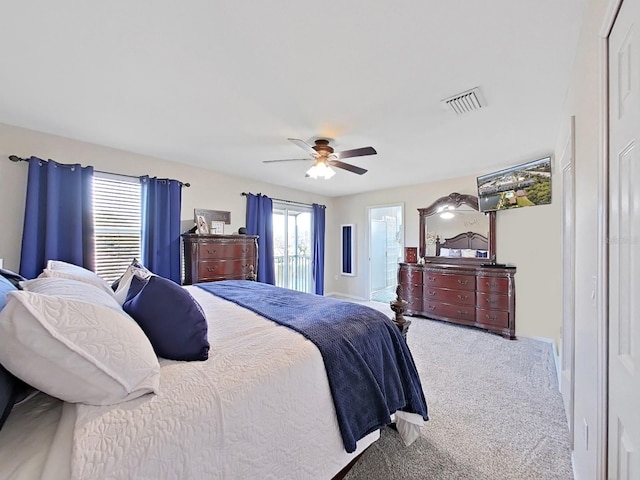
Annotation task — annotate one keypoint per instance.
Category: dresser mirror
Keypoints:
(453, 230)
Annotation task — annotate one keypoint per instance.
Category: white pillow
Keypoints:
(72, 290)
(468, 253)
(76, 351)
(444, 252)
(125, 282)
(56, 268)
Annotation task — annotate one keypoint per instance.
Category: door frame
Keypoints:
(567, 351)
(368, 236)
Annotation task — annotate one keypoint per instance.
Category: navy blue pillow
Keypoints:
(13, 277)
(9, 385)
(170, 317)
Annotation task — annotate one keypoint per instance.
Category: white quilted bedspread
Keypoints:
(259, 408)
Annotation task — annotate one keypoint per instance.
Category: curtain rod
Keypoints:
(287, 201)
(15, 158)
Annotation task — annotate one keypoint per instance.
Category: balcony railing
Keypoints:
(297, 270)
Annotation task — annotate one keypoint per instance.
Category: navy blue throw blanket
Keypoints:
(370, 369)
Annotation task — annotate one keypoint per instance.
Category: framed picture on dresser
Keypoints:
(201, 223)
(217, 228)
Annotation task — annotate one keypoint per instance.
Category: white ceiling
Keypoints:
(221, 84)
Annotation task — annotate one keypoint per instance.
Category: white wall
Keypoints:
(208, 189)
(528, 238)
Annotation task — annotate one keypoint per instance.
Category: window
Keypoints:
(117, 223)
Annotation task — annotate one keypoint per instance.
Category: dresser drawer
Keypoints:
(410, 277)
(217, 250)
(216, 269)
(492, 284)
(457, 282)
(492, 317)
(493, 301)
(456, 297)
(414, 305)
(410, 292)
(463, 313)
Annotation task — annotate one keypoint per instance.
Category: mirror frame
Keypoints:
(348, 249)
(457, 199)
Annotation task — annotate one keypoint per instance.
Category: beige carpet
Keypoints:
(494, 406)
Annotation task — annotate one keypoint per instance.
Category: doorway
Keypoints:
(292, 246)
(386, 243)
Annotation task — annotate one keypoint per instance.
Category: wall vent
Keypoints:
(465, 102)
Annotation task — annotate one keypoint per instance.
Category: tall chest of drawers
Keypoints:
(471, 295)
(210, 258)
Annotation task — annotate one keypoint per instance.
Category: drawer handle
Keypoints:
(212, 269)
(492, 285)
(462, 312)
(432, 293)
(432, 279)
(245, 250)
(431, 307)
(489, 317)
(492, 300)
(211, 252)
(463, 297)
(463, 282)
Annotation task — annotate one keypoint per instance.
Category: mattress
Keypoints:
(260, 407)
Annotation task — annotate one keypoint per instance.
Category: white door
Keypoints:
(567, 346)
(624, 245)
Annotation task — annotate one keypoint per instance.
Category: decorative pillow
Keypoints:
(5, 287)
(482, 254)
(121, 286)
(170, 316)
(56, 268)
(445, 252)
(72, 290)
(8, 383)
(455, 252)
(76, 351)
(13, 277)
(468, 253)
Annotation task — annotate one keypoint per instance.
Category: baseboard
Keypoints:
(344, 295)
(554, 350)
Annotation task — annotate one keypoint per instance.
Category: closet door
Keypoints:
(624, 244)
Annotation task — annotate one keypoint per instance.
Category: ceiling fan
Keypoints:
(325, 158)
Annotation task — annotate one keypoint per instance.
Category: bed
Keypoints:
(261, 406)
(463, 245)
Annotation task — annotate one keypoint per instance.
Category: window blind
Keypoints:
(117, 223)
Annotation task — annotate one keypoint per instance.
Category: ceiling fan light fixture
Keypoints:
(321, 170)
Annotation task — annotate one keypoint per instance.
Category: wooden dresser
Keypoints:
(210, 258)
(473, 295)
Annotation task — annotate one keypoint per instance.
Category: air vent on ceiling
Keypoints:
(465, 102)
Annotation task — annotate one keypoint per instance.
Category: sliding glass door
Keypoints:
(292, 243)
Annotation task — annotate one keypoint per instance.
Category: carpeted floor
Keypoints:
(494, 406)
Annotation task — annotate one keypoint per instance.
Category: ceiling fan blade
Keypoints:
(304, 145)
(347, 166)
(356, 152)
(289, 160)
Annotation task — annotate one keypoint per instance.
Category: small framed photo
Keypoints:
(201, 222)
(217, 227)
